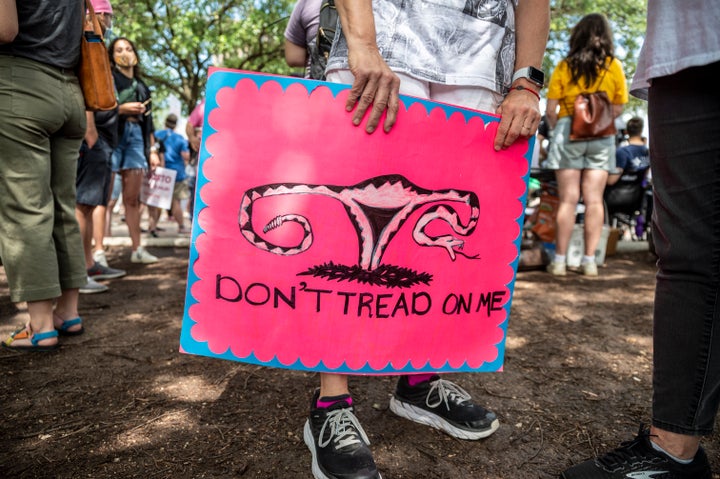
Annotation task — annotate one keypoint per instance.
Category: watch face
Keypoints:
(536, 76)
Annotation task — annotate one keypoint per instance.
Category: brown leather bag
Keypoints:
(94, 73)
(592, 116)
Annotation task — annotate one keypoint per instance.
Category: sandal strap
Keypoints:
(37, 337)
(69, 323)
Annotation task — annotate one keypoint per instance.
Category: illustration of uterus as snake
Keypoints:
(377, 208)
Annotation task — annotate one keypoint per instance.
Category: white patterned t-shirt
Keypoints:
(451, 42)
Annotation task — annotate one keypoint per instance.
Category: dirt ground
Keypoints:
(121, 402)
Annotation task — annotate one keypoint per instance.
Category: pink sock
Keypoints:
(326, 402)
(415, 379)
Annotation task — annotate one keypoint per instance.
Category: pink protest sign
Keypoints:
(319, 247)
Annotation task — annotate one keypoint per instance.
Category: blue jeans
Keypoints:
(685, 161)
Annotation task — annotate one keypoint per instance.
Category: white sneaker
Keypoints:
(92, 287)
(99, 257)
(142, 256)
(557, 269)
(589, 269)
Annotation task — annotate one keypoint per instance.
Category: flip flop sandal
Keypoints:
(64, 329)
(24, 333)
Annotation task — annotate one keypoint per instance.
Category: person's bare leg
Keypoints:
(333, 384)
(132, 181)
(593, 186)
(84, 215)
(153, 217)
(98, 230)
(178, 214)
(569, 195)
(681, 446)
(41, 321)
(67, 308)
(107, 231)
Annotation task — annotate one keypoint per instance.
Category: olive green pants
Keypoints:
(42, 123)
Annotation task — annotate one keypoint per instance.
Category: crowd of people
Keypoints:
(58, 165)
(119, 148)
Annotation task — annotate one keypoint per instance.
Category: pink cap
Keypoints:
(102, 6)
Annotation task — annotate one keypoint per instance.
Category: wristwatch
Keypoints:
(532, 74)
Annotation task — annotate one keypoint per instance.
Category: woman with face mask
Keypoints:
(136, 150)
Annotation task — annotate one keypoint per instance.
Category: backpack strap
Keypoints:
(327, 29)
(602, 78)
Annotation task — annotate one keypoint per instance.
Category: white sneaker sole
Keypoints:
(421, 416)
(93, 291)
(310, 443)
(143, 260)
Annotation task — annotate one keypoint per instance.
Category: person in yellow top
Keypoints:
(582, 167)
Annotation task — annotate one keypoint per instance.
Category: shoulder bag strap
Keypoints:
(602, 78)
(95, 23)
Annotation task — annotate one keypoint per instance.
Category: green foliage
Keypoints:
(626, 17)
(177, 40)
(627, 20)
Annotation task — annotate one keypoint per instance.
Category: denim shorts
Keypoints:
(93, 174)
(130, 152)
(563, 154)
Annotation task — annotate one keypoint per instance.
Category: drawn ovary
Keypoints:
(377, 208)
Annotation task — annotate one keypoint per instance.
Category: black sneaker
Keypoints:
(637, 459)
(338, 443)
(443, 405)
(98, 271)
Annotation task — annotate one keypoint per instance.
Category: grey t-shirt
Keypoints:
(303, 24)
(49, 32)
(302, 28)
(680, 35)
(452, 42)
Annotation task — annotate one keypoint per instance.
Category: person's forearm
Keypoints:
(617, 110)
(532, 24)
(358, 23)
(91, 133)
(8, 21)
(551, 113)
(614, 176)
